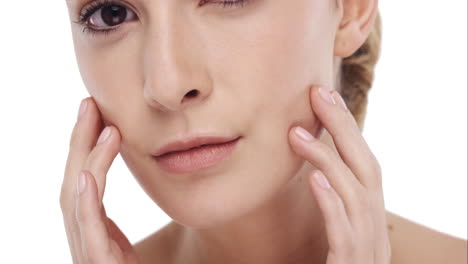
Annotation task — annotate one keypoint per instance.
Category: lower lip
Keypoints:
(197, 158)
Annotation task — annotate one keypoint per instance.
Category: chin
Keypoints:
(256, 173)
(211, 200)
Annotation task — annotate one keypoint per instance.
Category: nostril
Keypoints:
(192, 93)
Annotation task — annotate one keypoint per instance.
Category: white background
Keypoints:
(416, 125)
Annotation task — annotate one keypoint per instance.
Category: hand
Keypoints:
(92, 236)
(353, 207)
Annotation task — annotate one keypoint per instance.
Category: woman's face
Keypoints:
(252, 67)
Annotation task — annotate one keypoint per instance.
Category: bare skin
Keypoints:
(97, 239)
(175, 69)
(411, 243)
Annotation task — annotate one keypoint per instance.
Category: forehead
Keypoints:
(74, 2)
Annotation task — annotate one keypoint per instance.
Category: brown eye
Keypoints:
(111, 15)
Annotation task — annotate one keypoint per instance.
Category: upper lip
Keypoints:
(188, 142)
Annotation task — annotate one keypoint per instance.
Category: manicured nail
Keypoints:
(325, 93)
(81, 182)
(104, 135)
(321, 180)
(303, 134)
(339, 98)
(83, 106)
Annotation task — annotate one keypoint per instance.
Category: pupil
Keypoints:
(113, 15)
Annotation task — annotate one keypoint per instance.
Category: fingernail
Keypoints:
(104, 135)
(321, 180)
(83, 106)
(81, 182)
(339, 98)
(325, 93)
(303, 134)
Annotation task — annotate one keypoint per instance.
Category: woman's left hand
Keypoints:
(353, 206)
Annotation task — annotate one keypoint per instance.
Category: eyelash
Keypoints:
(95, 6)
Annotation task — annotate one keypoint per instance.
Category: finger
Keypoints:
(101, 157)
(73, 236)
(338, 228)
(82, 141)
(71, 242)
(83, 135)
(341, 125)
(95, 240)
(341, 178)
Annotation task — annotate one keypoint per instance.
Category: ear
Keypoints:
(356, 24)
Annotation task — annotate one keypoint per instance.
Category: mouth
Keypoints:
(196, 154)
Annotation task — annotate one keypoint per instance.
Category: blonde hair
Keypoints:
(357, 73)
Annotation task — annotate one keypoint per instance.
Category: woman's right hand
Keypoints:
(92, 236)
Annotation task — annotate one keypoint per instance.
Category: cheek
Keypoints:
(272, 63)
(106, 73)
(111, 78)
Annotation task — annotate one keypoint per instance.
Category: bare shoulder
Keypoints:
(415, 243)
(411, 243)
(160, 246)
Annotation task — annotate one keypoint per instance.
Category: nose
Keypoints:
(174, 76)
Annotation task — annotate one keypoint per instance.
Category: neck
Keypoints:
(287, 229)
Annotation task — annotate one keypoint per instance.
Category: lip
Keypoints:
(186, 143)
(195, 154)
